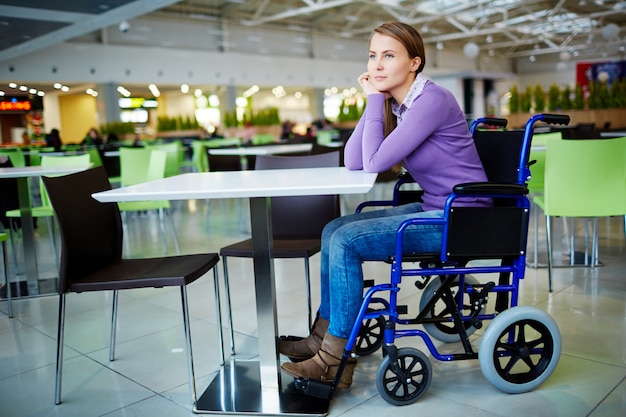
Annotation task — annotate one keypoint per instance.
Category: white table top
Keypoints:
(263, 150)
(240, 184)
(37, 171)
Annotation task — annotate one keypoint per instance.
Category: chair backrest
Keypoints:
(134, 163)
(95, 157)
(91, 232)
(157, 165)
(537, 159)
(224, 162)
(585, 177)
(320, 148)
(499, 153)
(175, 156)
(16, 155)
(48, 161)
(263, 138)
(301, 217)
(199, 157)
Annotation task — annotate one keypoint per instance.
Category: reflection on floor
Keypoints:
(148, 377)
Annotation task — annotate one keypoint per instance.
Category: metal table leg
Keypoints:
(256, 387)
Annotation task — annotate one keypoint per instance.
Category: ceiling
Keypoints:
(573, 29)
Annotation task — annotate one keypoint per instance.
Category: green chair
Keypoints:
(175, 156)
(94, 157)
(583, 179)
(45, 210)
(138, 165)
(536, 182)
(199, 157)
(324, 137)
(263, 139)
(35, 153)
(16, 155)
(7, 282)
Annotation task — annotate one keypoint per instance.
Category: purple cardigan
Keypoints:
(432, 141)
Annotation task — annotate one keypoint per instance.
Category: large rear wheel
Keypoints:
(445, 330)
(520, 349)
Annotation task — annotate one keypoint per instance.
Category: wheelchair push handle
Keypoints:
(553, 119)
(489, 121)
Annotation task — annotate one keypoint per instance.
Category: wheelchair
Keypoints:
(521, 346)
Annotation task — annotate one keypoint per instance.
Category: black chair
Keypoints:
(297, 222)
(91, 258)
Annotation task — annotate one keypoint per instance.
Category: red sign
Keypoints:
(15, 106)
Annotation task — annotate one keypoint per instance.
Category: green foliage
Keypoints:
(514, 101)
(566, 101)
(618, 94)
(593, 102)
(579, 99)
(118, 128)
(554, 98)
(265, 117)
(526, 100)
(230, 119)
(168, 124)
(539, 97)
(349, 112)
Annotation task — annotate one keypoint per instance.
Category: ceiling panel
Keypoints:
(506, 28)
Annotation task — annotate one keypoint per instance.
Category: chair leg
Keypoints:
(113, 326)
(572, 240)
(229, 307)
(549, 246)
(187, 330)
(307, 277)
(161, 220)
(53, 240)
(595, 261)
(7, 280)
(15, 259)
(218, 312)
(60, 341)
(173, 228)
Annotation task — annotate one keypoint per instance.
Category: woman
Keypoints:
(92, 138)
(408, 121)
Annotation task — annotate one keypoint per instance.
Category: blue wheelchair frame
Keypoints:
(450, 269)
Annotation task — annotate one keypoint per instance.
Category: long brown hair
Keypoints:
(410, 38)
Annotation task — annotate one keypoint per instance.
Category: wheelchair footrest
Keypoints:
(314, 388)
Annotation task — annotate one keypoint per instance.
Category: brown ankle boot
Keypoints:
(306, 348)
(323, 366)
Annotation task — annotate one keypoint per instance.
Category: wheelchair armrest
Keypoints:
(375, 203)
(405, 177)
(482, 188)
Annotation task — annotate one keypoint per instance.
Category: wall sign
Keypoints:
(20, 104)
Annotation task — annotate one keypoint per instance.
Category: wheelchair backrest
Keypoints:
(499, 231)
(499, 153)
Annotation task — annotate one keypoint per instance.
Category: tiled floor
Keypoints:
(148, 377)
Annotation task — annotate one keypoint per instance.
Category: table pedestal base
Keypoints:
(237, 390)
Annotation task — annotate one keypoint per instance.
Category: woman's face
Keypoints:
(389, 66)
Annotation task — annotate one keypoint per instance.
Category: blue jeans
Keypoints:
(368, 236)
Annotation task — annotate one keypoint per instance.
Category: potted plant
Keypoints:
(514, 100)
(554, 98)
(540, 99)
